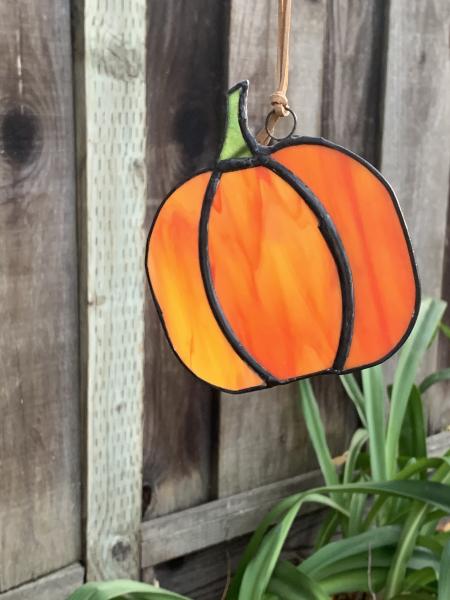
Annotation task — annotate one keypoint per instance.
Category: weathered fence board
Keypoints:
(111, 116)
(335, 86)
(217, 521)
(415, 149)
(186, 81)
(353, 75)
(56, 586)
(39, 424)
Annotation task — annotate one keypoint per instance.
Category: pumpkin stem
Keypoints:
(235, 144)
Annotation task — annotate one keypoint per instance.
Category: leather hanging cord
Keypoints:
(279, 99)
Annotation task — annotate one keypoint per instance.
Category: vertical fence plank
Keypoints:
(39, 423)
(415, 149)
(353, 75)
(111, 135)
(261, 436)
(186, 83)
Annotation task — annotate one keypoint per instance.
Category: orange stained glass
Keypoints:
(174, 270)
(275, 278)
(363, 212)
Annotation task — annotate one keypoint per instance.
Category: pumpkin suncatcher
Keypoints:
(281, 262)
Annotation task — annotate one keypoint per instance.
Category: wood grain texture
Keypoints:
(336, 57)
(353, 74)
(252, 55)
(438, 444)
(111, 139)
(56, 586)
(39, 424)
(218, 521)
(186, 102)
(415, 149)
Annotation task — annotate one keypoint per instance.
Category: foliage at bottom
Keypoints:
(381, 535)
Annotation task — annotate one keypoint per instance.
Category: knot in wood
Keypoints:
(20, 135)
(121, 551)
(279, 103)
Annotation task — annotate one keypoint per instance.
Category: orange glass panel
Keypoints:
(366, 219)
(275, 278)
(173, 264)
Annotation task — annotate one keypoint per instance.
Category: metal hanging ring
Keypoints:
(294, 125)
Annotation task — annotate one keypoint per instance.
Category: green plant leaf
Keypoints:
(411, 529)
(360, 437)
(355, 394)
(410, 356)
(289, 583)
(415, 596)
(436, 377)
(274, 516)
(415, 467)
(422, 558)
(259, 570)
(121, 588)
(413, 436)
(357, 580)
(357, 507)
(381, 557)
(327, 530)
(256, 568)
(445, 329)
(417, 580)
(352, 546)
(311, 413)
(378, 557)
(429, 492)
(444, 574)
(432, 543)
(373, 386)
(357, 501)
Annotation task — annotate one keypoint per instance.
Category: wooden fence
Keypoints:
(114, 460)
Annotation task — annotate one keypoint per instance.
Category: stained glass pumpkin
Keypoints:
(281, 262)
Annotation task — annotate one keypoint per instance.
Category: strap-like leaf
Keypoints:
(411, 355)
(355, 394)
(355, 545)
(436, 377)
(373, 385)
(122, 588)
(310, 410)
(444, 574)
